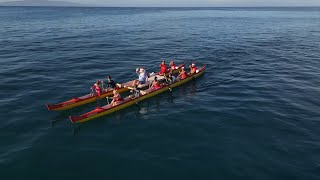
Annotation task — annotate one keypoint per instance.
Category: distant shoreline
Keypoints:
(36, 3)
(200, 7)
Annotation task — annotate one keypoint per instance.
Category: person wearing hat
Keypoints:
(193, 69)
(182, 74)
(142, 77)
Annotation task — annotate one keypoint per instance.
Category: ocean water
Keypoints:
(254, 114)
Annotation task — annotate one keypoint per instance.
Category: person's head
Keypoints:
(97, 82)
(115, 91)
(192, 65)
(141, 70)
(182, 69)
(163, 62)
(155, 78)
(109, 78)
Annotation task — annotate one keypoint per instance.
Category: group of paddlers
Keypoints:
(166, 75)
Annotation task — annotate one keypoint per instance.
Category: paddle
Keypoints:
(108, 99)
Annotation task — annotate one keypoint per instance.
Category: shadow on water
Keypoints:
(63, 116)
(193, 86)
(75, 129)
(59, 118)
(170, 98)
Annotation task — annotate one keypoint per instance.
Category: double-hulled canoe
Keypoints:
(78, 101)
(128, 101)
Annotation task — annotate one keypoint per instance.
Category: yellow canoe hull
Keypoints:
(102, 112)
(89, 100)
(74, 102)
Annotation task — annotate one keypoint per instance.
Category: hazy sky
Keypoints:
(196, 2)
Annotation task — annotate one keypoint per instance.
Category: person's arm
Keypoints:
(143, 92)
(152, 85)
(146, 78)
(92, 91)
(103, 83)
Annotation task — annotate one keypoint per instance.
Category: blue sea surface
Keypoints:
(254, 114)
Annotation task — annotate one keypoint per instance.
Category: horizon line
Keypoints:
(84, 5)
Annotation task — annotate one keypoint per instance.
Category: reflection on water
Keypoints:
(143, 110)
(193, 87)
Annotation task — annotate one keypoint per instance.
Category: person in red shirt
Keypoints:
(163, 67)
(193, 69)
(172, 65)
(155, 84)
(96, 89)
(182, 74)
(116, 98)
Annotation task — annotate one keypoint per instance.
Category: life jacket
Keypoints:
(173, 66)
(184, 75)
(118, 98)
(157, 86)
(163, 68)
(193, 69)
(97, 89)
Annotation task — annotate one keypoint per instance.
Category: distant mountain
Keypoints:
(39, 3)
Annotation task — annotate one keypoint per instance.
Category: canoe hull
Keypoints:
(75, 102)
(71, 104)
(105, 110)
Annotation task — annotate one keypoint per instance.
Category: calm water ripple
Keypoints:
(253, 115)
